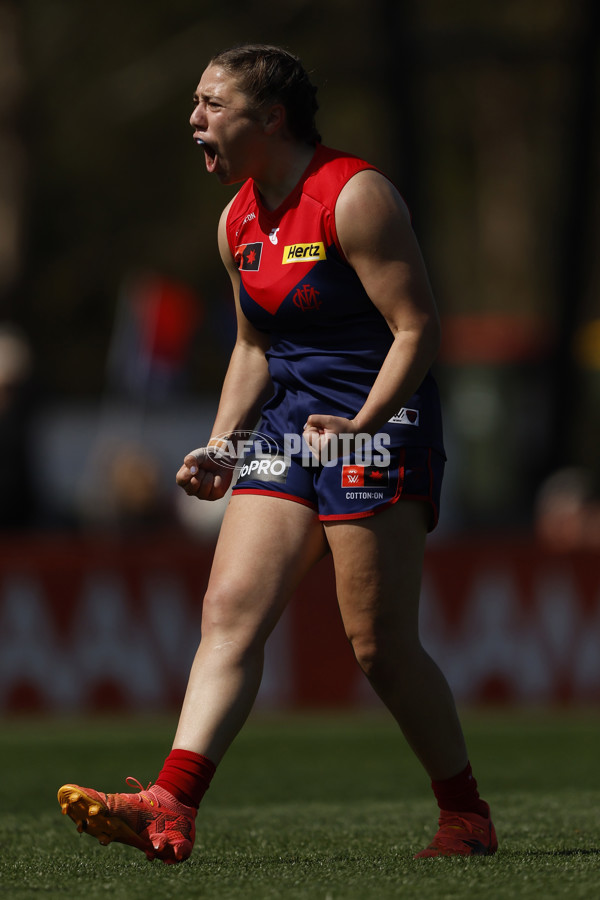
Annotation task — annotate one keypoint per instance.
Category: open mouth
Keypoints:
(210, 154)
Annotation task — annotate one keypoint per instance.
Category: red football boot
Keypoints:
(462, 834)
(152, 820)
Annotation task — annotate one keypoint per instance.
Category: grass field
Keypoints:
(326, 807)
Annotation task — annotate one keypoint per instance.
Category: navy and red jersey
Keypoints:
(327, 339)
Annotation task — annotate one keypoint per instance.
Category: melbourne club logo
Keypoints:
(306, 297)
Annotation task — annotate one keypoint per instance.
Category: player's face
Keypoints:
(230, 130)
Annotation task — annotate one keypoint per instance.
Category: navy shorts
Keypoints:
(348, 488)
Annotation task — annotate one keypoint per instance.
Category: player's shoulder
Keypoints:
(331, 169)
(370, 188)
(227, 230)
(329, 159)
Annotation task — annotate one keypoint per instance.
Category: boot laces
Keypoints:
(455, 820)
(143, 795)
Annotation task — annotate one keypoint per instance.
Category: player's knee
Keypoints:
(382, 656)
(369, 653)
(221, 610)
(229, 619)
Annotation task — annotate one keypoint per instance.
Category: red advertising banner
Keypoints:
(104, 624)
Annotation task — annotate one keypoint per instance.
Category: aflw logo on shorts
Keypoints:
(364, 476)
(293, 253)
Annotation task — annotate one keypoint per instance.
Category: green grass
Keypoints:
(309, 807)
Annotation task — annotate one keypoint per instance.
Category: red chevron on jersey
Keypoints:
(294, 243)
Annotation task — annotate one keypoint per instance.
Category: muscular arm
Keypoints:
(247, 383)
(246, 386)
(382, 249)
(376, 236)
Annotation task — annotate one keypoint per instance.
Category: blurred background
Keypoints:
(116, 320)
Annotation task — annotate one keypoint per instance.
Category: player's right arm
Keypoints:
(246, 386)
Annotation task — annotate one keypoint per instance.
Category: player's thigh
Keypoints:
(265, 547)
(378, 568)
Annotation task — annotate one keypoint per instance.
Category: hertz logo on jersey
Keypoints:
(293, 253)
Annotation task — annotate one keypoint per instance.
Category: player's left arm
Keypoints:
(376, 235)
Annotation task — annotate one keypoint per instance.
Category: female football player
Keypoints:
(337, 330)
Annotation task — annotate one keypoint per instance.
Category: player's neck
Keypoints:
(283, 172)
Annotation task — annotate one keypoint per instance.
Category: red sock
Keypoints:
(187, 776)
(460, 794)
